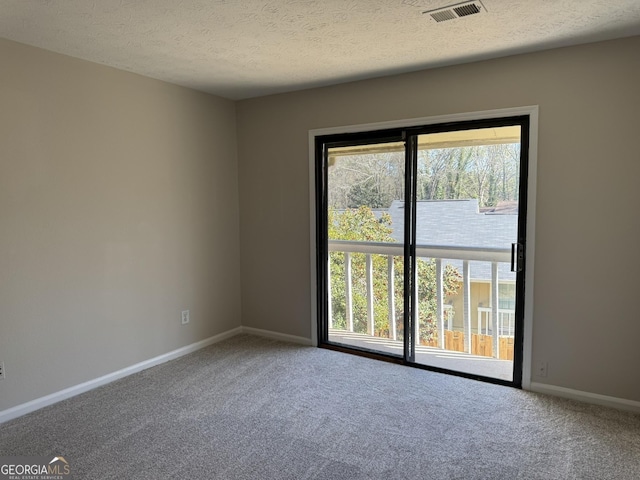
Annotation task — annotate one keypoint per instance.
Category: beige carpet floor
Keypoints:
(252, 408)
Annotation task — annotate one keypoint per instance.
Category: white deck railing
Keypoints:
(506, 321)
(490, 316)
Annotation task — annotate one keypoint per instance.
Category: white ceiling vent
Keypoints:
(457, 10)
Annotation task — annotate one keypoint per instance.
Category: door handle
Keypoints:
(517, 257)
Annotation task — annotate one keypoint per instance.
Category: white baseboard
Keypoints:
(276, 335)
(41, 402)
(33, 405)
(587, 397)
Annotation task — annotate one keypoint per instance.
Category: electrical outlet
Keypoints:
(185, 317)
(1, 370)
(542, 369)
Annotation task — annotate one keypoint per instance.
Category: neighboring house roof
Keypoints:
(456, 223)
(460, 223)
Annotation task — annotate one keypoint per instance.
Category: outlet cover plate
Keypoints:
(542, 369)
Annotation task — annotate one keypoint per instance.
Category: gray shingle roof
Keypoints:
(459, 223)
(456, 223)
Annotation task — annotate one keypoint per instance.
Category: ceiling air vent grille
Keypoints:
(457, 10)
(465, 10)
(443, 15)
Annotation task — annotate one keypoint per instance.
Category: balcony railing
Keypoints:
(490, 321)
(506, 321)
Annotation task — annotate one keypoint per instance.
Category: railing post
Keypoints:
(370, 322)
(466, 291)
(329, 303)
(495, 305)
(347, 291)
(440, 302)
(416, 310)
(391, 298)
(512, 323)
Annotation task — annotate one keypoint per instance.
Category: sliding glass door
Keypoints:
(365, 264)
(421, 245)
(466, 220)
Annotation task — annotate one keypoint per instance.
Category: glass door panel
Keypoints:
(365, 272)
(466, 210)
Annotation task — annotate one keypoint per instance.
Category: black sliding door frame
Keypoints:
(409, 135)
(322, 146)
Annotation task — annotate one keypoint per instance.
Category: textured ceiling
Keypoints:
(247, 48)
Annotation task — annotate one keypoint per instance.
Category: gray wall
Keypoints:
(118, 209)
(586, 323)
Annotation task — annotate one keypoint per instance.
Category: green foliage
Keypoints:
(361, 224)
(427, 305)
